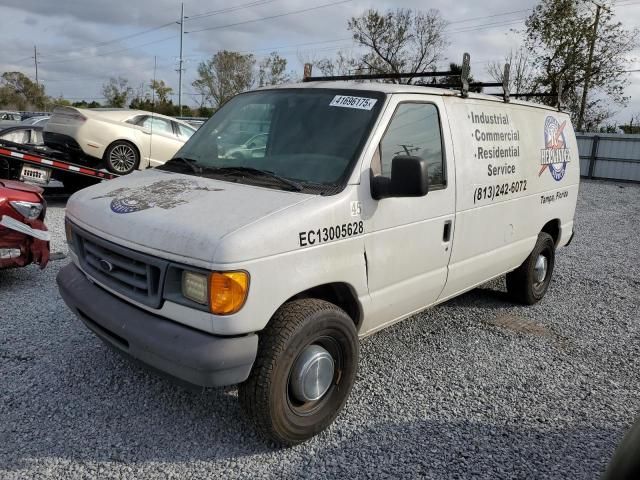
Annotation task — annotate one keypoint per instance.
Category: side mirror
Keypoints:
(409, 178)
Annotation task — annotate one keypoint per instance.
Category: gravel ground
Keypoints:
(476, 387)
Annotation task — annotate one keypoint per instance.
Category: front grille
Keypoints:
(133, 274)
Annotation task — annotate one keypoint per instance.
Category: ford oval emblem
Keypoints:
(106, 265)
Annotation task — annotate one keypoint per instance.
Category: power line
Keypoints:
(294, 12)
(488, 26)
(127, 37)
(30, 57)
(112, 52)
(211, 13)
(281, 47)
(102, 44)
(490, 16)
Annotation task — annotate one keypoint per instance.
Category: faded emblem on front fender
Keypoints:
(162, 194)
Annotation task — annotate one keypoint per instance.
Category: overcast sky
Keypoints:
(81, 43)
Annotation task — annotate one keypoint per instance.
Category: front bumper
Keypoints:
(31, 249)
(192, 356)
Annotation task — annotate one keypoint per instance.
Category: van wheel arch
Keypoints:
(340, 294)
(552, 227)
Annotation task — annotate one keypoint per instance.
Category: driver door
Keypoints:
(409, 239)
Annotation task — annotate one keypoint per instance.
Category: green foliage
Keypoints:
(116, 92)
(342, 64)
(19, 92)
(223, 76)
(85, 104)
(272, 70)
(558, 36)
(162, 91)
(164, 108)
(59, 102)
(203, 112)
(633, 127)
(158, 101)
(521, 71)
(399, 41)
(609, 128)
(454, 79)
(630, 129)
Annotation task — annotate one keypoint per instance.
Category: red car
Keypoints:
(24, 238)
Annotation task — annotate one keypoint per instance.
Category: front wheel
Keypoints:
(306, 365)
(121, 157)
(529, 282)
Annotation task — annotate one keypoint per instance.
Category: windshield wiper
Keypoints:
(259, 173)
(190, 162)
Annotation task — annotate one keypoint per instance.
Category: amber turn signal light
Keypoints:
(228, 291)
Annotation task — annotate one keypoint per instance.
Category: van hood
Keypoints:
(182, 216)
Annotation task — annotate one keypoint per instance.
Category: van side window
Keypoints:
(415, 130)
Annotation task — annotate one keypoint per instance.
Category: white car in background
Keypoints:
(124, 139)
(40, 120)
(9, 119)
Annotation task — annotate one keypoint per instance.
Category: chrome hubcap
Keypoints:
(312, 374)
(540, 270)
(122, 158)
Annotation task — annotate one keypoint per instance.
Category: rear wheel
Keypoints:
(529, 282)
(121, 157)
(305, 368)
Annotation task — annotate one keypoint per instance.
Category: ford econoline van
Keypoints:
(365, 203)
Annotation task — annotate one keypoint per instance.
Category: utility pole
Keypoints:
(587, 74)
(180, 68)
(35, 60)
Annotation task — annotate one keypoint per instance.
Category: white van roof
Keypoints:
(391, 88)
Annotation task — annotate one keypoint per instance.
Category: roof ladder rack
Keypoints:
(505, 82)
(464, 77)
(464, 85)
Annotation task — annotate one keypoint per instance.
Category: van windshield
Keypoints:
(308, 138)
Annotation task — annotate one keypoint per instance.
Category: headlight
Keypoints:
(195, 287)
(28, 210)
(223, 292)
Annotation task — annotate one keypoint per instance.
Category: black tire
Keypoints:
(121, 157)
(522, 284)
(266, 396)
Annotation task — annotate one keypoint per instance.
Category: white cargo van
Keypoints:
(364, 204)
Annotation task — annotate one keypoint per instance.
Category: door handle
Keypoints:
(446, 234)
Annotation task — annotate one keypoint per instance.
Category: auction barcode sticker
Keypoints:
(360, 103)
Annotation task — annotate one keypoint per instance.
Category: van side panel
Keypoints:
(517, 167)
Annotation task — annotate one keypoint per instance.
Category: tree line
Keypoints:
(555, 49)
